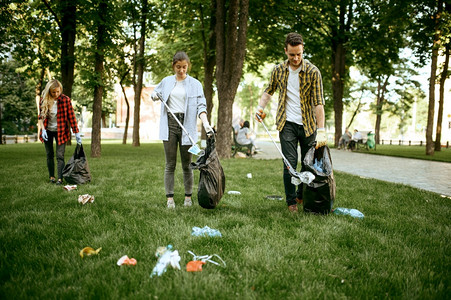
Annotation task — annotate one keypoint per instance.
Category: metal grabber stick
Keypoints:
(296, 177)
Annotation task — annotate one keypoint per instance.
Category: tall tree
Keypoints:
(231, 30)
(140, 65)
(99, 58)
(446, 37)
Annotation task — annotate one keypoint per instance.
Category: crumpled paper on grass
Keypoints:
(86, 198)
(198, 260)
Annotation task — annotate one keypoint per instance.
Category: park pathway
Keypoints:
(427, 175)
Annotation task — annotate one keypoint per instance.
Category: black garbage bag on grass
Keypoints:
(318, 197)
(212, 179)
(77, 170)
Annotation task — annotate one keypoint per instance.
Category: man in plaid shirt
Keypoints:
(55, 114)
(300, 112)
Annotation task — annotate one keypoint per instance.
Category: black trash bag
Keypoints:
(318, 197)
(212, 179)
(76, 170)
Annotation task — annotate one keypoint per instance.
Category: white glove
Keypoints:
(321, 139)
(78, 138)
(44, 135)
(156, 96)
(207, 127)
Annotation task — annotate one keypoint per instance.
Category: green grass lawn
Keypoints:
(400, 249)
(417, 152)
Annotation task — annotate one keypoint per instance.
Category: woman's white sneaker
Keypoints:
(188, 202)
(171, 203)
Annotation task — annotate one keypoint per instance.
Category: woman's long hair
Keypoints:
(46, 100)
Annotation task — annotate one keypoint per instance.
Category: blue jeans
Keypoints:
(60, 149)
(170, 151)
(291, 135)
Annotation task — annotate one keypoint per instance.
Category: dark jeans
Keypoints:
(170, 151)
(52, 135)
(291, 135)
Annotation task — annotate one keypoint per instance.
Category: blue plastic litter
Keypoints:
(348, 211)
(206, 231)
(318, 165)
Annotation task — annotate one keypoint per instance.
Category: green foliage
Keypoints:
(399, 250)
(19, 111)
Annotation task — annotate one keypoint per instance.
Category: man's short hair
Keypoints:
(293, 39)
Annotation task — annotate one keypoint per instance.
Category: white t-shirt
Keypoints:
(293, 106)
(241, 136)
(52, 124)
(176, 101)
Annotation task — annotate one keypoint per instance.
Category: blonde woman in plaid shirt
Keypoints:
(55, 112)
(300, 112)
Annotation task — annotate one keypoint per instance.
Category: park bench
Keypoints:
(247, 149)
(366, 143)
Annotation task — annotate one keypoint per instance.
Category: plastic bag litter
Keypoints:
(86, 198)
(88, 251)
(166, 257)
(319, 195)
(198, 260)
(76, 171)
(212, 179)
(304, 177)
(349, 212)
(125, 260)
(205, 231)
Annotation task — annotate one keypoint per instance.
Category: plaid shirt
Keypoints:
(64, 116)
(310, 92)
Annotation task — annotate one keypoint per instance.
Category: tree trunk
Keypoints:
(431, 107)
(99, 57)
(139, 84)
(438, 132)
(230, 52)
(338, 73)
(209, 41)
(381, 89)
(68, 32)
(37, 93)
(127, 117)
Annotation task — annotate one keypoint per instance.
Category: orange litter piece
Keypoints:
(194, 266)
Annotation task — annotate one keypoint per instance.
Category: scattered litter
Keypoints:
(70, 187)
(166, 257)
(206, 231)
(125, 260)
(234, 193)
(88, 251)
(196, 264)
(304, 177)
(348, 211)
(274, 197)
(249, 175)
(85, 199)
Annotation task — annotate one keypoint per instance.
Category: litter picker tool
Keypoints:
(296, 177)
(194, 149)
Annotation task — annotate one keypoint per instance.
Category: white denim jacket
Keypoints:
(195, 104)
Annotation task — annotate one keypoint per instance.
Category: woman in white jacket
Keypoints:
(185, 97)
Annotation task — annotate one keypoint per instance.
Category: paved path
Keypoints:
(427, 175)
